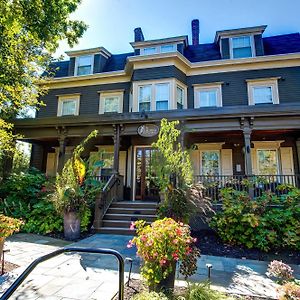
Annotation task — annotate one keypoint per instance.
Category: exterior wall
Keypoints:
(71, 66)
(225, 53)
(234, 89)
(89, 98)
(99, 63)
(38, 157)
(159, 73)
(258, 42)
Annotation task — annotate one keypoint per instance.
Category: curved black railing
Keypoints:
(41, 259)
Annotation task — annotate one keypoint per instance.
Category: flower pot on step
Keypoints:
(71, 226)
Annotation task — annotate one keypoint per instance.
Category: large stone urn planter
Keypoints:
(71, 226)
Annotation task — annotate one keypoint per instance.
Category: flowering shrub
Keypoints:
(8, 226)
(280, 270)
(161, 245)
(290, 291)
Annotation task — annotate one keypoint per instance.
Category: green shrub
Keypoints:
(268, 222)
(202, 291)
(25, 196)
(149, 296)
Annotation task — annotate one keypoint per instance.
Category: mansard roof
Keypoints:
(273, 45)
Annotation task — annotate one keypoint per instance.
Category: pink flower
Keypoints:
(132, 226)
(175, 256)
(175, 241)
(194, 240)
(144, 238)
(162, 262)
(130, 244)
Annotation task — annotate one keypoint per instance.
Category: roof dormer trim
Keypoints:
(240, 31)
(98, 50)
(177, 39)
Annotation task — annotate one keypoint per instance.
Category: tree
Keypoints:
(30, 31)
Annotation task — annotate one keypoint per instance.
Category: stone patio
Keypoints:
(91, 276)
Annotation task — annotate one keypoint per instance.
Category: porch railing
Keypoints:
(255, 184)
(102, 178)
(113, 190)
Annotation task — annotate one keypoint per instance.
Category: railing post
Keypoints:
(98, 216)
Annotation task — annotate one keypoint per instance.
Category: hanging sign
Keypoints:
(148, 130)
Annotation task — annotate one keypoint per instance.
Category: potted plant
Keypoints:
(161, 245)
(74, 187)
(7, 227)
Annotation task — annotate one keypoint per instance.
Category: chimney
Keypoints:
(138, 35)
(195, 31)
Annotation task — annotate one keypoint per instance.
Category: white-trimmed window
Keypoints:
(68, 105)
(144, 97)
(84, 65)
(111, 102)
(162, 96)
(210, 162)
(159, 49)
(208, 95)
(267, 161)
(179, 97)
(263, 91)
(158, 95)
(242, 46)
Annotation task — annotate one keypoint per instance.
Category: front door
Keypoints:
(144, 184)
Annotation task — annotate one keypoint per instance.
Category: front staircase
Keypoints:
(119, 216)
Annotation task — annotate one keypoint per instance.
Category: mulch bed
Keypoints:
(210, 244)
(7, 267)
(136, 286)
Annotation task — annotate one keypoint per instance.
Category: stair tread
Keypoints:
(130, 215)
(121, 221)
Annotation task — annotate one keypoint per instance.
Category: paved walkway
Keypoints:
(90, 276)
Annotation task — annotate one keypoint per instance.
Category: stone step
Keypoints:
(131, 211)
(130, 217)
(117, 224)
(134, 204)
(115, 230)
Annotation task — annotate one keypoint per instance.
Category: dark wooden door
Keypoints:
(145, 187)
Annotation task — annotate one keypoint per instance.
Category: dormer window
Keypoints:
(84, 65)
(159, 49)
(242, 47)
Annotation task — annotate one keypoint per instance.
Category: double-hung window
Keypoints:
(263, 91)
(210, 162)
(84, 65)
(68, 105)
(144, 97)
(179, 97)
(149, 50)
(111, 102)
(207, 95)
(162, 96)
(167, 48)
(241, 47)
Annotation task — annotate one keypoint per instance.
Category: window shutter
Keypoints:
(51, 164)
(287, 163)
(122, 163)
(195, 160)
(226, 162)
(254, 161)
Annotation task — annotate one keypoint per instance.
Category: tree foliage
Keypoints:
(30, 31)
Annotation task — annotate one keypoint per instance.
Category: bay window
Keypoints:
(179, 97)
(145, 94)
(162, 96)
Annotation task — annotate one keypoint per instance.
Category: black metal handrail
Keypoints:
(41, 259)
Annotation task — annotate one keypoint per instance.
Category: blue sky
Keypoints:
(111, 22)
